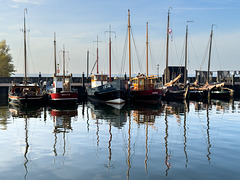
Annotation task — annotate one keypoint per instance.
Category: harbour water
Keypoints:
(174, 140)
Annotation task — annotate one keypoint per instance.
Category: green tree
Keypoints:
(6, 66)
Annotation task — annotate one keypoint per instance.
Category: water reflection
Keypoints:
(62, 124)
(208, 136)
(145, 115)
(129, 147)
(26, 113)
(4, 117)
(130, 141)
(116, 116)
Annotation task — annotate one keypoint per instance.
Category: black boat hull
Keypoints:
(113, 92)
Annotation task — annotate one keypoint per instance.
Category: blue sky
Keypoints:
(77, 24)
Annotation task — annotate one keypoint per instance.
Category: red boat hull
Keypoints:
(64, 96)
(147, 96)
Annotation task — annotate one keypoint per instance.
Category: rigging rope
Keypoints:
(205, 55)
(194, 50)
(219, 62)
(151, 55)
(139, 63)
(115, 56)
(124, 54)
(31, 58)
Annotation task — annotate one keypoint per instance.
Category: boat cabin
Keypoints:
(141, 82)
(30, 89)
(61, 83)
(98, 80)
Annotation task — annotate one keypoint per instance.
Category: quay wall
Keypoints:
(78, 84)
(6, 81)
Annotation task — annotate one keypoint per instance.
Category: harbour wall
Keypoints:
(80, 83)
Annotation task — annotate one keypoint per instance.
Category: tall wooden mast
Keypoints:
(167, 70)
(147, 49)
(25, 49)
(110, 78)
(110, 51)
(209, 58)
(63, 64)
(55, 57)
(97, 53)
(87, 64)
(185, 71)
(129, 43)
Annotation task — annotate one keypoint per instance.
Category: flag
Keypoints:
(169, 31)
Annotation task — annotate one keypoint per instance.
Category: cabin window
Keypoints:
(59, 79)
(17, 90)
(33, 89)
(152, 81)
(67, 80)
(141, 82)
(58, 90)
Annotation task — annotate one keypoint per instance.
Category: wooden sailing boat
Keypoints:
(172, 91)
(62, 93)
(112, 92)
(211, 91)
(25, 93)
(143, 88)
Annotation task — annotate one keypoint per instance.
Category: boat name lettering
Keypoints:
(65, 94)
(107, 86)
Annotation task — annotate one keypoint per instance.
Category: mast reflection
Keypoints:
(208, 136)
(62, 124)
(185, 136)
(176, 109)
(129, 146)
(26, 113)
(167, 157)
(146, 115)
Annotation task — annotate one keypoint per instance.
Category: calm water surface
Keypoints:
(170, 141)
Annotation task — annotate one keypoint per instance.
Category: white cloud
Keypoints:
(27, 1)
(13, 5)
